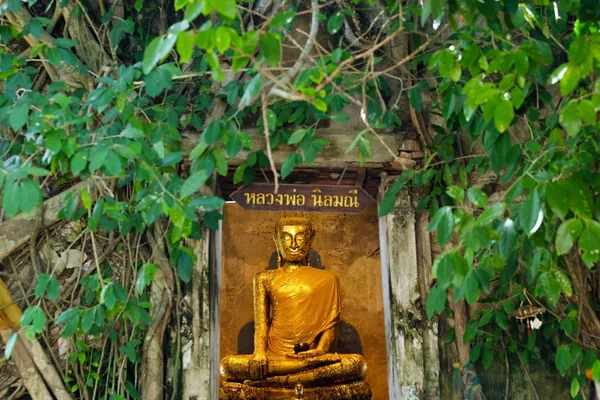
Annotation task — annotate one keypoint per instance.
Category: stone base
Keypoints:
(351, 391)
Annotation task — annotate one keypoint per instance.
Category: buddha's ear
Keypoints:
(276, 241)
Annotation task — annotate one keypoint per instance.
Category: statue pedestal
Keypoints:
(351, 391)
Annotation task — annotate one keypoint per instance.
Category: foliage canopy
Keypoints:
(510, 87)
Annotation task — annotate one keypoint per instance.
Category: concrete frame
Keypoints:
(411, 339)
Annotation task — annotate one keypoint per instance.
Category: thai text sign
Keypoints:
(346, 199)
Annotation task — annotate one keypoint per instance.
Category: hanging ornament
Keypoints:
(527, 315)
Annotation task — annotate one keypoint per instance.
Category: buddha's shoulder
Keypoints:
(265, 275)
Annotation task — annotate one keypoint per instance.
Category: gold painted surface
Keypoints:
(347, 247)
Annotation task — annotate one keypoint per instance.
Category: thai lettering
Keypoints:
(351, 201)
(294, 199)
(250, 198)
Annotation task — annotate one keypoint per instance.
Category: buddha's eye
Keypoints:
(287, 238)
(300, 238)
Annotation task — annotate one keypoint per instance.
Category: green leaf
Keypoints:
(215, 66)
(271, 48)
(477, 197)
(10, 345)
(503, 115)
(185, 45)
(566, 235)
(490, 214)
(297, 136)
(587, 111)
(157, 50)
(531, 212)
(475, 352)
(220, 162)
(589, 242)
(70, 326)
(10, 198)
(113, 164)
(288, 165)
(563, 359)
(238, 175)
(414, 96)
(508, 238)
(107, 297)
(193, 183)
(565, 283)
(443, 223)
(340, 117)
(538, 51)
(456, 192)
(471, 286)
(558, 202)
(569, 80)
(579, 50)
(445, 271)
(488, 358)
(40, 287)
(251, 91)
(98, 158)
(207, 203)
(185, 267)
(86, 199)
(470, 331)
(66, 315)
(226, 8)
(145, 277)
(335, 22)
(281, 19)
(570, 119)
(574, 387)
(553, 290)
(436, 301)
(222, 39)
(79, 161)
(389, 199)
(596, 371)
(501, 319)
(87, 321)
(517, 96)
(53, 289)
(213, 132)
(30, 195)
(18, 116)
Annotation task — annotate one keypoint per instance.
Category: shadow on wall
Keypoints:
(348, 338)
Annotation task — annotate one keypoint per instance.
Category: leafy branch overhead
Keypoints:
(146, 103)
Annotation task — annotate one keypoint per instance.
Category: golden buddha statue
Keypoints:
(296, 313)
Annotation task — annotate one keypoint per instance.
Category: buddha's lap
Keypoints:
(238, 366)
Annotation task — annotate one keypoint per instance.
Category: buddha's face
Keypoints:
(294, 242)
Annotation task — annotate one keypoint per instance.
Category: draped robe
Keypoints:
(305, 303)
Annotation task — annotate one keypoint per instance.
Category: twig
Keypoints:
(268, 141)
(314, 29)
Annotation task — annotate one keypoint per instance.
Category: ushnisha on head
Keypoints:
(293, 237)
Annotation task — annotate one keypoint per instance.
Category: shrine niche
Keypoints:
(344, 256)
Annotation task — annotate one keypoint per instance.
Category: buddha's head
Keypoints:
(293, 237)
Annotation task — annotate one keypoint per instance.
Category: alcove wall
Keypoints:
(347, 244)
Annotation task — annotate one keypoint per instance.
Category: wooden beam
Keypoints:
(333, 155)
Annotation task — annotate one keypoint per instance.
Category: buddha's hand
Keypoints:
(258, 366)
(307, 354)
